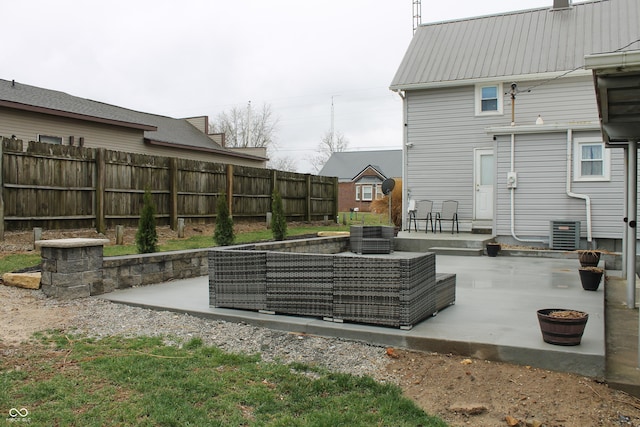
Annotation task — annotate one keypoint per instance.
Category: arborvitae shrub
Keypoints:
(147, 235)
(223, 235)
(278, 220)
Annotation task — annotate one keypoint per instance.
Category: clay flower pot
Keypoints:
(561, 326)
(590, 277)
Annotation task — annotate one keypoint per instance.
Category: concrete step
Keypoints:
(442, 250)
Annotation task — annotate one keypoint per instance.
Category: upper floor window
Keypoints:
(488, 99)
(591, 160)
(50, 139)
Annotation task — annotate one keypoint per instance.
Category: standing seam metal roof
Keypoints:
(517, 43)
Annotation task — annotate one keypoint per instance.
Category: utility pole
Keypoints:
(332, 121)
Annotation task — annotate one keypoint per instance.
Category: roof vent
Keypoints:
(561, 4)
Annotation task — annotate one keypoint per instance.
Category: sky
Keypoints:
(203, 57)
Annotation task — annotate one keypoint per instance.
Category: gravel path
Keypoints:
(100, 318)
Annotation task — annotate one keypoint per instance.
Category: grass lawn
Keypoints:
(13, 262)
(73, 381)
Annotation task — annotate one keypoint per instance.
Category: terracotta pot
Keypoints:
(562, 330)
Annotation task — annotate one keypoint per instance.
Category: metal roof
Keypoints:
(347, 164)
(157, 129)
(520, 43)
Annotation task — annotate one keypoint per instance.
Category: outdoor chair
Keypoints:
(422, 212)
(411, 211)
(449, 212)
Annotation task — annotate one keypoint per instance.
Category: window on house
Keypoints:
(357, 192)
(367, 193)
(379, 193)
(50, 139)
(591, 160)
(489, 99)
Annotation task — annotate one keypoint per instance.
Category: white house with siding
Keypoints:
(500, 115)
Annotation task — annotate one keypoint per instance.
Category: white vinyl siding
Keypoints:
(444, 130)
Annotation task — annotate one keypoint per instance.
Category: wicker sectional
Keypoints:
(398, 289)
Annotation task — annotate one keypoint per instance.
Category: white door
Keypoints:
(484, 173)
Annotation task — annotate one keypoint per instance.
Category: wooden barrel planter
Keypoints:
(561, 326)
(589, 258)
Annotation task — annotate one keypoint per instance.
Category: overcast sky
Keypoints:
(201, 57)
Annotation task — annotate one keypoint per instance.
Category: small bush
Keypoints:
(381, 206)
(278, 220)
(147, 235)
(223, 235)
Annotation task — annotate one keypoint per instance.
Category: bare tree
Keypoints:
(284, 163)
(330, 143)
(247, 127)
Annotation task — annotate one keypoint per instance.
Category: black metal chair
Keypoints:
(449, 212)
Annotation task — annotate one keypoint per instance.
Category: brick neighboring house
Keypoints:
(360, 175)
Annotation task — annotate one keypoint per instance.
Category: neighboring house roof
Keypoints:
(157, 129)
(348, 164)
(534, 41)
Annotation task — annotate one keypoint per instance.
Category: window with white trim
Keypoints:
(50, 139)
(379, 193)
(489, 99)
(357, 192)
(591, 160)
(367, 193)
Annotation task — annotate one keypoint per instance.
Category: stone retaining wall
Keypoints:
(75, 268)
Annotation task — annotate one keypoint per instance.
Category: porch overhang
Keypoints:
(616, 78)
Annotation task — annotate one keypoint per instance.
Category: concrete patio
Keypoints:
(494, 316)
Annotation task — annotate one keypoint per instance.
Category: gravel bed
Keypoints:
(100, 318)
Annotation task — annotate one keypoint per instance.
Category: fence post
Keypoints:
(1, 189)
(308, 204)
(173, 197)
(229, 189)
(119, 234)
(100, 187)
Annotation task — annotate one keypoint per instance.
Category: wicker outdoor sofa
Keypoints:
(398, 289)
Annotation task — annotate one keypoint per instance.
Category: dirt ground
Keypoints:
(462, 391)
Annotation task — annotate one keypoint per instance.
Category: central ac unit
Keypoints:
(564, 235)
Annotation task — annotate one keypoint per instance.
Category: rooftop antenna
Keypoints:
(417, 14)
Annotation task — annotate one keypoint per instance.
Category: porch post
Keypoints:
(632, 203)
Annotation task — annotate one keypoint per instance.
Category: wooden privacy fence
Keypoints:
(66, 187)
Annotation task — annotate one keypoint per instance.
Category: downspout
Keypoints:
(405, 156)
(513, 198)
(570, 193)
